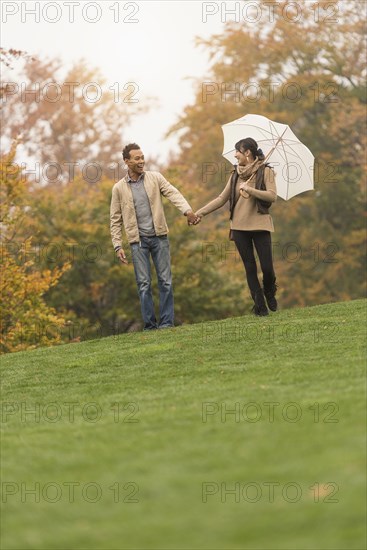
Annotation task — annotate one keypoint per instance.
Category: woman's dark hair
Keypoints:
(128, 148)
(249, 144)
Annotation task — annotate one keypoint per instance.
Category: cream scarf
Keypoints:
(245, 172)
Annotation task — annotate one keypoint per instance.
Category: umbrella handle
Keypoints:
(243, 193)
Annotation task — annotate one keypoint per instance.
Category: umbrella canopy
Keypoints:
(292, 161)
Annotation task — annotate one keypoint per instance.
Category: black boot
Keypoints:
(270, 292)
(259, 308)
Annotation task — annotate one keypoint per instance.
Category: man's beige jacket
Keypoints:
(122, 211)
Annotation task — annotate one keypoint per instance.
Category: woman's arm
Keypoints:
(216, 203)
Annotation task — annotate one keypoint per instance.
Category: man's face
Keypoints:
(241, 158)
(136, 162)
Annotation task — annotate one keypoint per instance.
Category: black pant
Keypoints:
(245, 241)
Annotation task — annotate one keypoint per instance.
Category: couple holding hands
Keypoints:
(136, 205)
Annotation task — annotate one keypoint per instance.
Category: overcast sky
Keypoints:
(147, 42)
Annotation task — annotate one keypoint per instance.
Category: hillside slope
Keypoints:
(242, 433)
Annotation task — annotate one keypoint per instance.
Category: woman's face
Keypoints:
(242, 157)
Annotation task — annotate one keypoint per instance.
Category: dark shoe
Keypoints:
(260, 308)
(269, 293)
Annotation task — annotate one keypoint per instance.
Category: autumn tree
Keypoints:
(71, 121)
(26, 319)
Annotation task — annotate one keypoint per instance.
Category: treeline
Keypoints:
(60, 278)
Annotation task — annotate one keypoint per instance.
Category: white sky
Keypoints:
(162, 39)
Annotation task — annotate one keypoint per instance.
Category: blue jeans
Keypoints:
(158, 248)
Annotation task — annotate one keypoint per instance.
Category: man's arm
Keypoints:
(174, 195)
(116, 225)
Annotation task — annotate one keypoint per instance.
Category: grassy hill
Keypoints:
(243, 433)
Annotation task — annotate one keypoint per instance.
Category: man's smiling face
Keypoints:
(136, 162)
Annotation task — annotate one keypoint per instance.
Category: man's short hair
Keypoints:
(127, 149)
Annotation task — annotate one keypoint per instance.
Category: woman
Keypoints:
(251, 223)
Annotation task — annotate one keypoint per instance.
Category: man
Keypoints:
(137, 205)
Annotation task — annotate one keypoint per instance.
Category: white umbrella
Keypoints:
(292, 161)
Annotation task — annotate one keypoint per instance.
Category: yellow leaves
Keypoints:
(25, 315)
(26, 321)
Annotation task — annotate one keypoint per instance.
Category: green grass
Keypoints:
(309, 361)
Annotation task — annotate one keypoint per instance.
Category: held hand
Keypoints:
(195, 222)
(121, 256)
(244, 187)
(198, 219)
(192, 219)
(244, 190)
